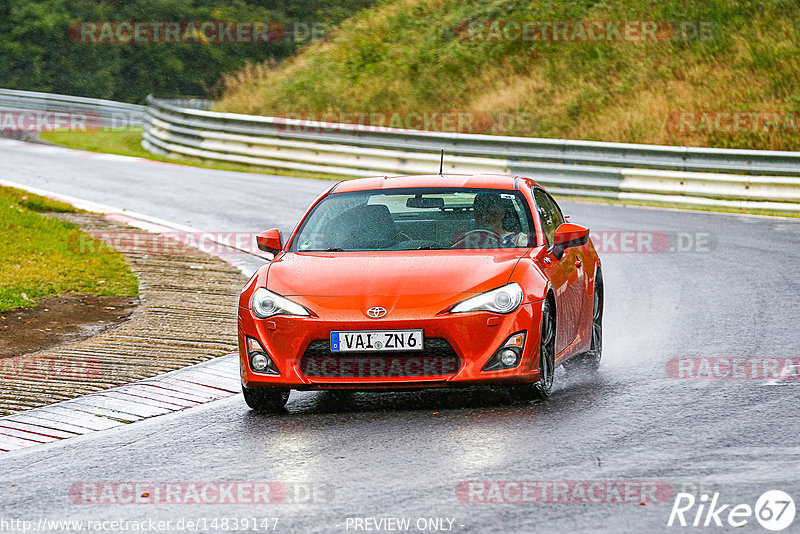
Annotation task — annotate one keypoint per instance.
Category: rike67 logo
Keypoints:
(774, 510)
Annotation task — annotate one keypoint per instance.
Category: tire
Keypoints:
(590, 360)
(265, 399)
(547, 344)
(547, 353)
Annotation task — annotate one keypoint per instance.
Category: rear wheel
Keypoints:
(265, 399)
(590, 360)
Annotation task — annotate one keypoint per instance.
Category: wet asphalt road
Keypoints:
(402, 455)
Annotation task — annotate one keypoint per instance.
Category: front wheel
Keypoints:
(547, 353)
(265, 399)
(547, 345)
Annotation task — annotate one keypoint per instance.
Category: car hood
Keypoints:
(391, 273)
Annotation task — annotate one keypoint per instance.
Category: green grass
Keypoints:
(123, 142)
(41, 256)
(411, 55)
(127, 143)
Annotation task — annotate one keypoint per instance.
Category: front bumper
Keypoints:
(474, 337)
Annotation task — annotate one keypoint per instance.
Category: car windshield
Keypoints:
(418, 219)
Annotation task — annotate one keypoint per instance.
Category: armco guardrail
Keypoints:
(690, 176)
(748, 179)
(98, 112)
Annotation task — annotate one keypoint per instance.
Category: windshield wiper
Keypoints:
(431, 247)
(334, 249)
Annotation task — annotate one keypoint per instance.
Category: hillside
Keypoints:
(711, 73)
(85, 48)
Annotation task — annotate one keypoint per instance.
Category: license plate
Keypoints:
(377, 340)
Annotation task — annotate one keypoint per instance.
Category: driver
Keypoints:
(489, 214)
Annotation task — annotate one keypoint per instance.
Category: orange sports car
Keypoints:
(422, 281)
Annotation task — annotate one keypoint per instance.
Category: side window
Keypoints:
(559, 215)
(549, 214)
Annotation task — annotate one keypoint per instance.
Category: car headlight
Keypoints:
(501, 300)
(265, 304)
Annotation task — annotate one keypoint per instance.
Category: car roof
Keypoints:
(479, 181)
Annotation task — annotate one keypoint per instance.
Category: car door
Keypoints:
(566, 273)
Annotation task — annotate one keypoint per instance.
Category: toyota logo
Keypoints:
(376, 312)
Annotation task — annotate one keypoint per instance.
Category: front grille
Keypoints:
(438, 359)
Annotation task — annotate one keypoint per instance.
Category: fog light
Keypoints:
(259, 362)
(508, 357)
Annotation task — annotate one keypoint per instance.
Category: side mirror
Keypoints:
(270, 241)
(569, 235)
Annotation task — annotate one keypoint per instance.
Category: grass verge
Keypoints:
(127, 143)
(40, 256)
